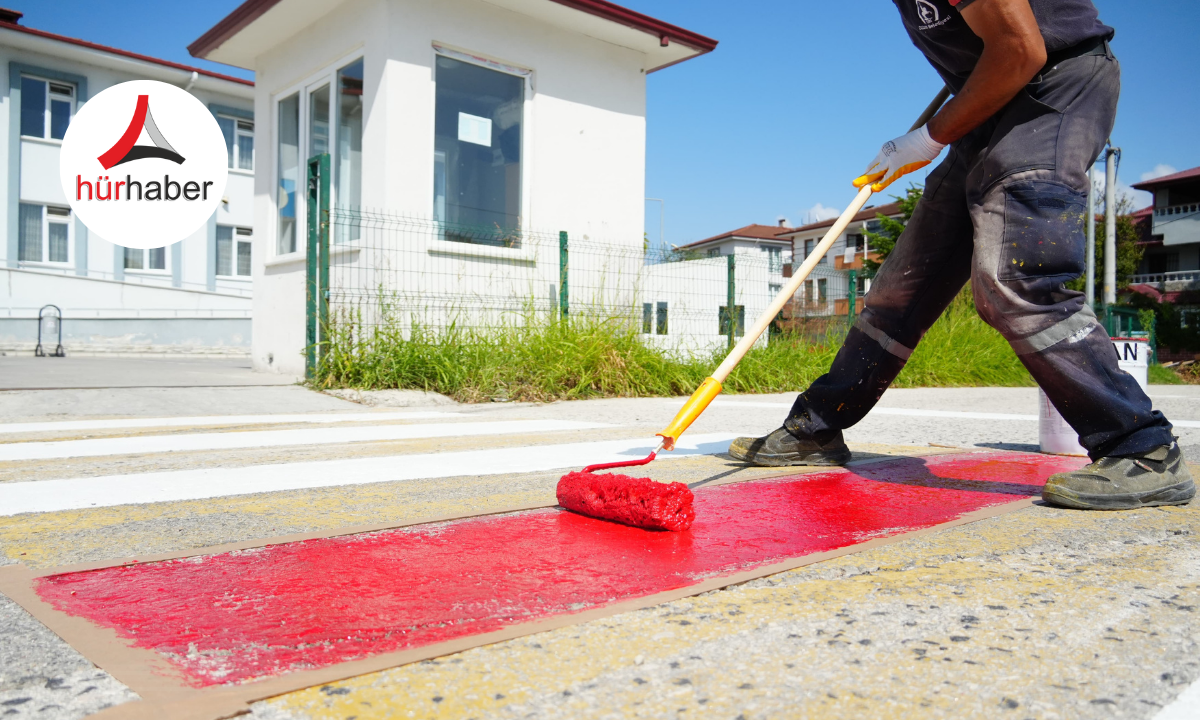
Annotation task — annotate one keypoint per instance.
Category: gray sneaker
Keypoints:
(781, 448)
(1158, 477)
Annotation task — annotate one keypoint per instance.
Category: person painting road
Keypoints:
(1035, 88)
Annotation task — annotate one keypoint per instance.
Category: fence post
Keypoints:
(316, 296)
(852, 299)
(564, 304)
(731, 298)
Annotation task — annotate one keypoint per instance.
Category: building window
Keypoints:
(289, 173)
(660, 325)
(714, 252)
(774, 288)
(647, 318)
(823, 291)
(43, 233)
(233, 251)
(477, 152)
(774, 259)
(46, 108)
(809, 246)
(347, 169)
(739, 312)
(1163, 263)
(152, 259)
(239, 141)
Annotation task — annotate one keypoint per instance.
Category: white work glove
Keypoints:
(900, 157)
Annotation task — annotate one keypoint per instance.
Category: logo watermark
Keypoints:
(126, 181)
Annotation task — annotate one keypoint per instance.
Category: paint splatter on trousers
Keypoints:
(1006, 210)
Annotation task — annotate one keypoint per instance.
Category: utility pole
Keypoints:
(1089, 282)
(1110, 226)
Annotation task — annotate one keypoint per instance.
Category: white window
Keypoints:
(153, 260)
(239, 141)
(46, 107)
(774, 259)
(233, 251)
(44, 234)
(477, 151)
(322, 115)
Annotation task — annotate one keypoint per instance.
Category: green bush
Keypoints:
(606, 357)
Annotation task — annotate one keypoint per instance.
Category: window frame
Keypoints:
(303, 89)
(47, 107)
(239, 235)
(145, 269)
(69, 222)
(235, 151)
(527, 75)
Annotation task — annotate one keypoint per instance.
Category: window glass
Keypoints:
(61, 99)
(134, 258)
(245, 147)
(289, 172)
(243, 251)
(661, 319)
(647, 318)
(33, 107)
(227, 125)
(29, 234)
(224, 250)
(59, 250)
(348, 168)
(477, 140)
(158, 258)
(318, 121)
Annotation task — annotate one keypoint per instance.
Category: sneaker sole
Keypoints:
(823, 459)
(1179, 494)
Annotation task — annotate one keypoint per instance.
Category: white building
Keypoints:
(515, 115)
(826, 291)
(191, 297)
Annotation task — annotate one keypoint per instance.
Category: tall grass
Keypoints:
(606, 357)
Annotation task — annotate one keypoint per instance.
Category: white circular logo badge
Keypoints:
(144, 164)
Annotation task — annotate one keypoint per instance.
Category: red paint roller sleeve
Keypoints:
(639, 502)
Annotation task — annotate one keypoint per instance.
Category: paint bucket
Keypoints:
(1054, 434)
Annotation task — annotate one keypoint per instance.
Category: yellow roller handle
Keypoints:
(691, 410)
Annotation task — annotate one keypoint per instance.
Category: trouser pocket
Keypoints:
(1043, 233)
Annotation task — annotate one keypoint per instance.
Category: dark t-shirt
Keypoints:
(939, 31)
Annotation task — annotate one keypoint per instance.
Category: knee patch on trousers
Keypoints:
(1043, 233)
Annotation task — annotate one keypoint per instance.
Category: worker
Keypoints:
(1035, 87)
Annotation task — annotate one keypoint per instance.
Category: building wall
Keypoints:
(182, 307)
(583, 157)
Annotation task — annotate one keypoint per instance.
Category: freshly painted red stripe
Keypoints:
(256, 613)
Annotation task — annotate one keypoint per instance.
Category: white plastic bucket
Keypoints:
(1054, 434)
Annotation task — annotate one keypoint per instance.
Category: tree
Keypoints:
(882, 243)
(1129, 253)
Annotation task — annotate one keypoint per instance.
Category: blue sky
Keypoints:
(793, 103)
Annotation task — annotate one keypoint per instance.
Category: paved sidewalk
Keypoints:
(52, 373)
(1040, 613)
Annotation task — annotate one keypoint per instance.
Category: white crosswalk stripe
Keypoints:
(218, 420)
(77, 493)
(277, 438)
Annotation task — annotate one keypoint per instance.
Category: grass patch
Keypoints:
(598, 357)
(1159, 375)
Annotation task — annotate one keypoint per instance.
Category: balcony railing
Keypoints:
(1177, 209)
(1165, 277)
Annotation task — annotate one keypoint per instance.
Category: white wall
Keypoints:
(583, 159)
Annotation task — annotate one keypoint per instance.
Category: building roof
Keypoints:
(749, 232)
(1157, 182)
(10, 20)
(867, 213)
(658, 37)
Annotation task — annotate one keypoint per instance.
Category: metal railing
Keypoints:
(1165, 277)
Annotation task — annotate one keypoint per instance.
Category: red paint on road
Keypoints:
(256, 613)
(637, 502)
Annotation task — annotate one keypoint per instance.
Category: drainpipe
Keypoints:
(191, 81)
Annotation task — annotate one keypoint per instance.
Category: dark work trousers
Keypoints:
(1006, 209)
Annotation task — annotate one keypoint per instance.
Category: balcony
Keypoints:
(1172, 281)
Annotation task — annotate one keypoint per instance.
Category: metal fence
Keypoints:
(370, 269)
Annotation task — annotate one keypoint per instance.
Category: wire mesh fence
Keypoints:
(413, 274)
